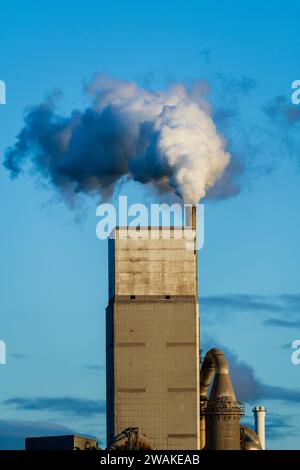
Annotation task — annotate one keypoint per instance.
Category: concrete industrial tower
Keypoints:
(152, 324)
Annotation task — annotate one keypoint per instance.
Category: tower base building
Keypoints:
(152, 351)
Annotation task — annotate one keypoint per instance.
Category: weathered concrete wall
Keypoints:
(153, 342)
(152, 266)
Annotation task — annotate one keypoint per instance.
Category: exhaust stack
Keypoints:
(191, 217)
(260, 425)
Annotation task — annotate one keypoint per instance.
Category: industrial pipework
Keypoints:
(130, 439)
(249, 439)
(220, 413)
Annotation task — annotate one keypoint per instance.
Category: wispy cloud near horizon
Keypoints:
(13, 432)
(281, 310)
(69, 405)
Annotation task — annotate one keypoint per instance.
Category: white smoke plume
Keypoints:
(166, 138)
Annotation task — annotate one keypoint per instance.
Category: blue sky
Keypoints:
(53, 269)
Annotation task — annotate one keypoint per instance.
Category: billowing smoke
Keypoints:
(166, 138)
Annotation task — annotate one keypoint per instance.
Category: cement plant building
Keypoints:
(157, 396)
(152, 323)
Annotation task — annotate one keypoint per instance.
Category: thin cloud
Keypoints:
(94, 367)
(69, 405)
(284, 117)
(272, 310)
(282, 323)
(242, 302)
(206, 54)
(19, 356)
(282, 111)
(286, 345)
(277, 426)
(13, 432)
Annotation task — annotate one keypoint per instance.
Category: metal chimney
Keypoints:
(190, 216)
(260, 425)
